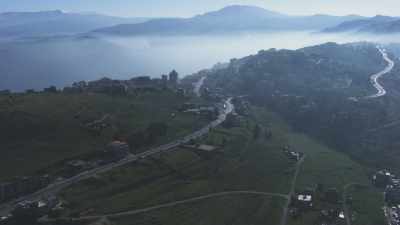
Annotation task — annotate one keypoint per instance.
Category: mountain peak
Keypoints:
(234, 10)
(382, 18)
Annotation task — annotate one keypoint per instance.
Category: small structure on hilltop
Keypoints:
(293, 155)
(107, 86)
(51, 89)
(173, 78)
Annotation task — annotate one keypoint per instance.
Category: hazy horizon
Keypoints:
(64, 61)
(188, 8)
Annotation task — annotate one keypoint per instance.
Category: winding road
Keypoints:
(54, 188)
(198, 85)
(375, 78)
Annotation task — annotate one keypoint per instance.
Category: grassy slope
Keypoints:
(246, 165)
(223, 210)
(39, 130)
(367, 205)
(328, 167)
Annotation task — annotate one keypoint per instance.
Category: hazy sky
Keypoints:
(186, 8)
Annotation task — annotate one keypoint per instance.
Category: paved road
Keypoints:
(54, 188)
(375, 78)
(198, 85)
(292, 190)
(171, 204)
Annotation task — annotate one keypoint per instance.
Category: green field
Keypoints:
(238, 210)
(367, 206)
(39, 130)
(247, 163)
(329, 168)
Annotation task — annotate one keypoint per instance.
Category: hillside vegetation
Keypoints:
(39, 130)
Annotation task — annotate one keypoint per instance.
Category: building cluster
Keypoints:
(331, 212)
(391, 183)
(215, 94)
(5, 92)
(29, 211)
(113, 152)
(22, 186)
(303, 201)
(209, 112)
(121, 87)
(331, 216)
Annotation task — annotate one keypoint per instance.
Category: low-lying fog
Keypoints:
(60, 61)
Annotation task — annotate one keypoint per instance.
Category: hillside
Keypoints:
(311, 88)
(43, 129)
(230, 19)
(375, 25)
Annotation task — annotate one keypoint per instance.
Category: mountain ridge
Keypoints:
(228, 19)
(378, 24)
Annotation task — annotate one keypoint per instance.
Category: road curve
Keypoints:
(171, 204)
(375, 78)
(198, 85)
(54, 188)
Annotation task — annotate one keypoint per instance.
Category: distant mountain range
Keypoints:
(378, 25)
(22, 24)
(234, 18)
(231, 19)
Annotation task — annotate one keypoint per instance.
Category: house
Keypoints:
(329, 215)
(392, 195)
(77, 164)
(51, 89)
(173, 78)
(5, 92)
(205, 148)
(164, 80)
(293, 155)
(107, 86)
(382, 178)
(116, 150)
(304, 201)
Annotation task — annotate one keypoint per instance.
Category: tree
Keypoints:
(137, 140)
(256, 131)
(155, 130)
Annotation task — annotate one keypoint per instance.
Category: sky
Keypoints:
(188, 8)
